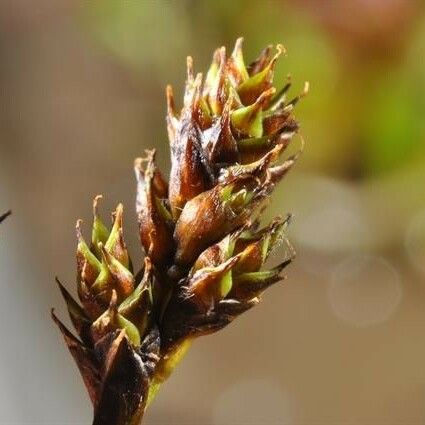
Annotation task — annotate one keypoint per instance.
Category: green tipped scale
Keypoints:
(204, 249)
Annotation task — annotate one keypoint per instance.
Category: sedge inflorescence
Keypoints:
(200, 230)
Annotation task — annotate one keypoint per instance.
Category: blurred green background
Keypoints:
(342, 341)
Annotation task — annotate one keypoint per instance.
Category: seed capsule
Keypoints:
(248, 121)
(211, 284)
(219, 142)
(112, 320)
(122, 278)
(115, 243)
(259, 82)
(190, 170)
(212, 214)
(137, 308)
(155, 221)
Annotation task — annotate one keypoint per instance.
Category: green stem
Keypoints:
(166, 366)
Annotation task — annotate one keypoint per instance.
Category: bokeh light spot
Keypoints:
(330, 217)
(364, 290)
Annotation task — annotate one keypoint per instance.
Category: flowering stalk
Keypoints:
(200, 231)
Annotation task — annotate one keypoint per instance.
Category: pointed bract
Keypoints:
(78, 316)
(115, 243)
(100, 233)
(125, 386)
(85, 360)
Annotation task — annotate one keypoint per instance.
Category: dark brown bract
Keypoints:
(200, 231)
(5, 215)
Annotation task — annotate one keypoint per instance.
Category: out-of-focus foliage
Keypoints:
(364, 115)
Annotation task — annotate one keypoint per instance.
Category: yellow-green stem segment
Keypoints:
(166, 366)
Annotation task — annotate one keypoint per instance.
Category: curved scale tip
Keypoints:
(96, 200)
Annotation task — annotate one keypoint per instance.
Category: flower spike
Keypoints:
(205, 251)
